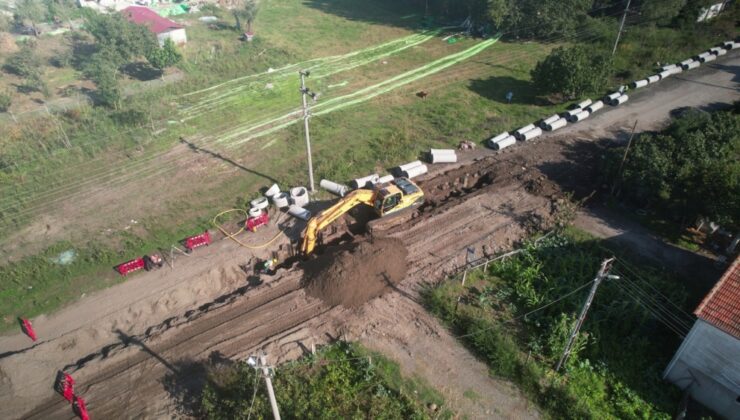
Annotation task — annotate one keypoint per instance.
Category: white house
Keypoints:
(707, 365)
(163, 28)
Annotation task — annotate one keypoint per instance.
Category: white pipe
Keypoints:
(518, 133)
(639, 83)
(585, 103)
(442, 151)
(579, 116)
(654, 78)
(529, 135)
(299, 196)
(692, 65)
(667, 67)
(281, 200)
(275, 189)
(551, 119)
(719, 51)
(416, 171)
(504, 143)
(299, 212)
(686, 62)
(557, 124)
(385, 179)
(619, 101)
(409, 165)
(676, 70)
(710, 57)
(498, 138)
(364, 181)
(665, 74)
(608, 98)
(333, 187)
(572, 112)
(595, 107)
(259, 203)
(444, 158)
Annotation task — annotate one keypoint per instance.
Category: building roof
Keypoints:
(721, 307)
(145, 16)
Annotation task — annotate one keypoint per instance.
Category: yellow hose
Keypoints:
(232, 236)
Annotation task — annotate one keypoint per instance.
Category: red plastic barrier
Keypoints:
(28, 329)
(198, 240)
(254, 222)
(80, 408)
(66, 387)
(133, 265)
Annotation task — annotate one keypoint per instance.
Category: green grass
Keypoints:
(615, 368)
(343, 380)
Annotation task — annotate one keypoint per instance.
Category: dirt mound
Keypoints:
(353, 274)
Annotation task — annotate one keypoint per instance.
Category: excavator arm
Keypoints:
(328, 216)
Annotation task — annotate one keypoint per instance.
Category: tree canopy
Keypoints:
(164, 57)
(248, 12)
(572, 72)
(690, 170)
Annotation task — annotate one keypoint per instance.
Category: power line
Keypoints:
(633, 272)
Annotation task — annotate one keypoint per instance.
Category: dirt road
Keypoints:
(140, 349)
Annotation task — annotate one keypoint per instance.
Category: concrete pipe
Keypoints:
(410, 165)
(442, 151)
(608, 98)
(676, 70)
(299, 195)
(529, 135)
(708, 58)
(385, 179)
(275, 189)
(498, 138)
(585, 103)
(259, 203)
(299, 212)
(281, 200)
(550, 120)
(363, 182)
(416, 171)
(570, 113)
(692, 65)
(619, 101)
(334, 188)
(719, 51)
(557, 124)
(255, 212)
(640, 83)
(504, 143)
(445, 158)
(654, 78)
(665, 74)
(667, 67)
(684, 63)
(579, 116)
(595, 107)
(730, 45)
(518, 133)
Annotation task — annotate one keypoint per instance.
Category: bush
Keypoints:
(572, 72)
(5, 100)
(23, 63)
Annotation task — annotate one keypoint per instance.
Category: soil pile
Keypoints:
(352, 275)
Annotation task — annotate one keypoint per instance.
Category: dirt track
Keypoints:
(146, 357)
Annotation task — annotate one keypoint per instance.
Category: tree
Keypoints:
(164, 57)
(127, 39)
(247, 12)
(24, 62)
(572, 72)
(31, 10)
(103, 70)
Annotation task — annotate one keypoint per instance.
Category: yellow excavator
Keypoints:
(386, 199)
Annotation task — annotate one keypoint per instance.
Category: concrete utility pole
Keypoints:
(306, 115)
(621, 26)
(268, 382)
(606, 265)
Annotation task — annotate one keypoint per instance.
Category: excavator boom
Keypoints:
(328, 216)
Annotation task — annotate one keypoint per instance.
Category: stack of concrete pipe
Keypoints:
(501, 141)
(553, 123)
(367, 181)
(281, 200)
(413, 169)
(579, 116)
(334, 188)
(530, 134)
(442, 156)
(547, 121)
(385, 179)
(519, 134)
(571, 112)
(619, 100)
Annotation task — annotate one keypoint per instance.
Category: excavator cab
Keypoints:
(387, 199)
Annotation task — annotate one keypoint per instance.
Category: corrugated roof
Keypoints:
(721, 307)
(148, 17)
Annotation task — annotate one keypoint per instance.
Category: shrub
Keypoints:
(5, 100)
(572, 72)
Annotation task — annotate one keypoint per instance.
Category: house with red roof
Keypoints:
(707, 365)
(163, 28)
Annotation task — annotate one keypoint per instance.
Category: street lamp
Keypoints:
(306, 115)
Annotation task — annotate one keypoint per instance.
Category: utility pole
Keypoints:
(306, 115)
(621, 26)
(603, 273)
(268, 382)
(624, 158)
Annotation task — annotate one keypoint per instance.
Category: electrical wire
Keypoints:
(232, 236)
(634, 273)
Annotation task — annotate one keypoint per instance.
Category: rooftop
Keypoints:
(145, 16)
(721, 307)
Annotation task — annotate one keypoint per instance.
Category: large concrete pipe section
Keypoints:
(595, 107)
(654, 78)
(665, 74)
(529, 135)
(520, 132)
(718, 51)
(667, 67)
(385, 179)
(493, 140)
(299, 212)
(504, 143)
(334, 188)
(557, 124)
(570, 113)
(275, 189)
(692, 65)
(640, 83)
(620, 100)
(546, 122)
(416, 171)
(259, 203)
(579, 116)
(281, 200)
(443, 157)
(608, 98)
(365, 181)
(730, 45)
(584, 104)
(299, 195)
(403, 168)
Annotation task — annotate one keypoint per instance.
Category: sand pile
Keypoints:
(352, 275)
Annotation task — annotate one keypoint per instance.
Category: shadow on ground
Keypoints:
(496, 88)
